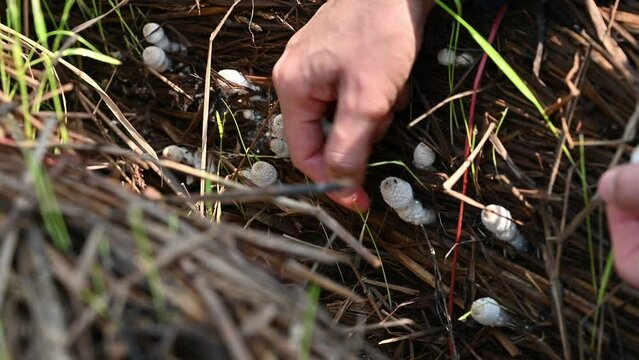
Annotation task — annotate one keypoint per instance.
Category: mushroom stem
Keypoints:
(497, 220)
(398, 194)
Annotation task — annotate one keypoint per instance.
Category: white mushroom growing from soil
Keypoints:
(156, 59)
(497, 220)
(448, 57)
(278, 143)
(488, 312)
(464, 60)
(398, 194)
(262, 174)
(182, 155)
(276, 126)
(279, 147)
(238, 82)
(154, 33)
(248, 114)
(423, 157)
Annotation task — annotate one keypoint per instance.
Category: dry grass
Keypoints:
(146, 276)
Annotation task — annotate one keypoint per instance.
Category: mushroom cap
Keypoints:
(634, 158)
(496, 218)
(174, 153)
(263, 174)
(153, 33)
(277, 126)
(487, 312)
(279, 147)
(155, 58)
(235, 77)
(248, 114)
(446, 57)
(397, 193)
(464, 60)
(423, 156)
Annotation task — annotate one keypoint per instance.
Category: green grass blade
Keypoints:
(586, 199)
(510, 73)
(399, 163)
(501, 63)
(135, 218)
(14, 15)
(90, 54)
(310, 313)
(4, 349)
(366, 228)
(39, 23)
(63, 23)
(497, 58)
(50, 211)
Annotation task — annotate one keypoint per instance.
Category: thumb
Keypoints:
(624, 228)
(619, 187)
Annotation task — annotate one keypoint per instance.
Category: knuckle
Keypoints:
(279, 74)
(374, 107)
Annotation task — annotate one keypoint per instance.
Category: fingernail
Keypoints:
(354, 199)
(345, 193)
(607, 184)
(362, 201)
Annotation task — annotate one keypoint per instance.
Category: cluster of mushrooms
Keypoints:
(396, 192)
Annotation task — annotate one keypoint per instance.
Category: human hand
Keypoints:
(358, 54)
(619, 188)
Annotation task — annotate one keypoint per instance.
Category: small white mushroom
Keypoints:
(634, 158)
(278, 143)
(156, 59)
(174, 153)
(258, 98)
(235, 78)
(488, 312)
(248, 114)
(398, 194)
(154, 33)
(277, 127)
(497, 220)
(262, 174)
(279, 148)
(464, 60)
(423, 157)
(182, 155)
(446, 57)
